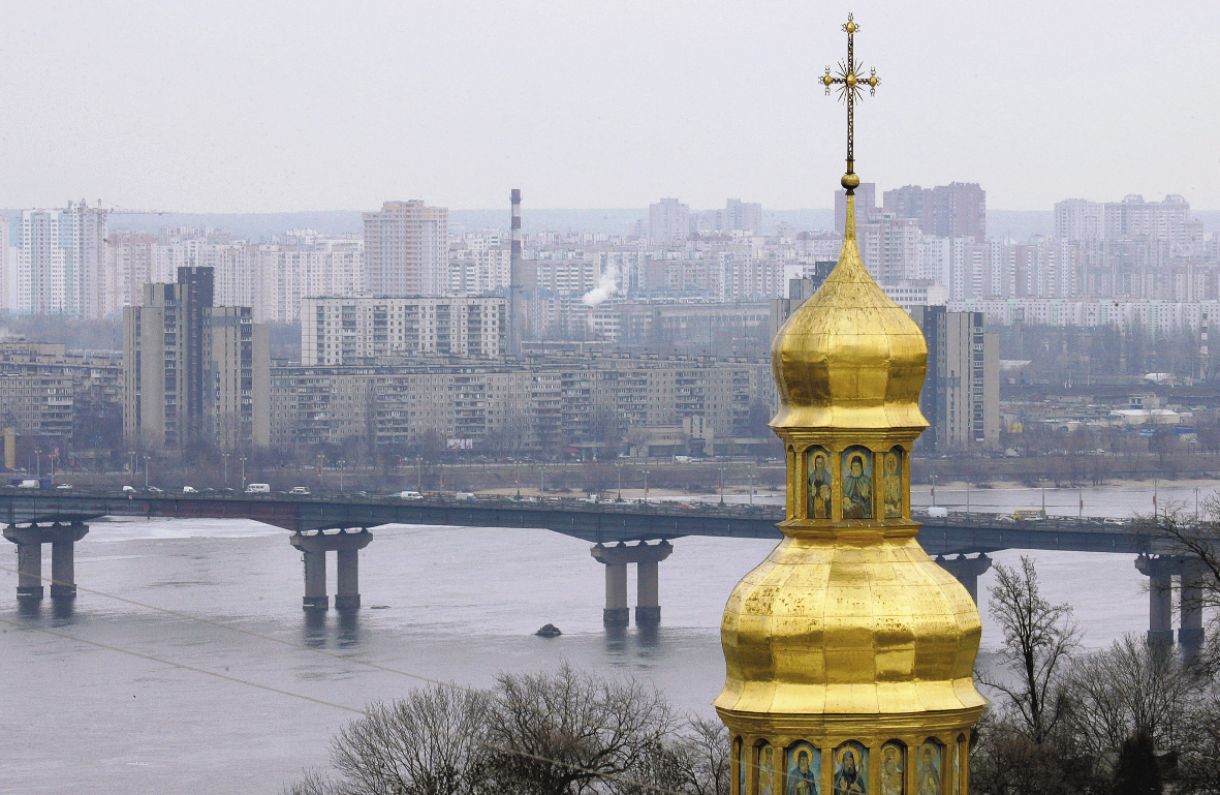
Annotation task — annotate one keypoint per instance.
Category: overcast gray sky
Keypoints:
(262, 106)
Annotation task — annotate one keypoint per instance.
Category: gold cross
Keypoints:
(851, 87)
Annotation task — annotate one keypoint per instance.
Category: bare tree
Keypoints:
(433, 742)
(1129, 690)
(701, 756)
(1198, 540)
(1038, 638)
(562, 733)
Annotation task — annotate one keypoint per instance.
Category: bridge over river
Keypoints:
(622, 534)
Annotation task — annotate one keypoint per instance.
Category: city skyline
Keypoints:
(217, 112)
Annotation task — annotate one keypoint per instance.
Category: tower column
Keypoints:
(1190, 605)
(29, 541)
(1160, 571)
(647, 593)
(646, 557)
(316, 597)
(313, 549)
(29, 570)
(967, 571)
(348, 595)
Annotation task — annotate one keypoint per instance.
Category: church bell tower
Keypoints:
(849, 652)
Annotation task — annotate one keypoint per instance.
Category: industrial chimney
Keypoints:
(516, 287)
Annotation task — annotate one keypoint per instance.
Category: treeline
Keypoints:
(1133, 718)
(1079, 355)
(545, 734)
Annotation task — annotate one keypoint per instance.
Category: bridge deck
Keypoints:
(600, 522)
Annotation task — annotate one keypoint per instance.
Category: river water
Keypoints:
(81, 714)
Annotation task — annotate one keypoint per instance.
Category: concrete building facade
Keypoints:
(338, 331)
(961, 395)
(192, 371)
(668, 221)
(406, 247)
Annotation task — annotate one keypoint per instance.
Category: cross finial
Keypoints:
(851, 85)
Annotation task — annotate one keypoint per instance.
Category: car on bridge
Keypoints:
(299, 491)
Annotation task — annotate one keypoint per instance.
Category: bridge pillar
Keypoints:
(1190, 605)
(967, 571)
(646, 557)
(29, 541)
(348, 595)
(1159, 570)
(313, 549)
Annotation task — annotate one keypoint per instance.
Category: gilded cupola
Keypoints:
(849, 356)
(849, 652)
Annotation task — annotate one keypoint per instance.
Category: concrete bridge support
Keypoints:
(1190, 606)
(347, 547)
(967, 571)
(29, 541)
(647, 559)
(1160, 570)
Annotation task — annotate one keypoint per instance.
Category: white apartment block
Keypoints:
(270, 278)
(61, 260)
(1132, 218)
(478, 269)
(668, 221)
(337, 331)
(406, 248)
(1151, 315)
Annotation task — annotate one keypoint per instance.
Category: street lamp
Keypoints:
(131, 464)
(225, 458)
(38, 463)
(722, 487)
(645, 486)
(342, 462)
(750, 471)
(243, 472)
(146, 458)
(541, 481)
(620, 482)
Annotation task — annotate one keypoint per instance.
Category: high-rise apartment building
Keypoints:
(866, 206)
(60, 270)
(742, 216)
(237, 378)
(961, 395)
(958, 209)
(406, 249)
(668, 221)
(351, 330)
(194, 374)
(8, 276)
(1131, 219)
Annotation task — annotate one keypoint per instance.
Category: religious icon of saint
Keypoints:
(766, 770)
(819, 485)
(891, 481)
(928, 770)
(850, 776)
(743, 764)
(857, 486)
(802, 774)
(891, 770)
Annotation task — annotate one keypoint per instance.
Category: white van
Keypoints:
(410, 495)
(258, 488)
(464, 496)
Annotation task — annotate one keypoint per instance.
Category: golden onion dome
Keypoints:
(849, 357)
(849, 629)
